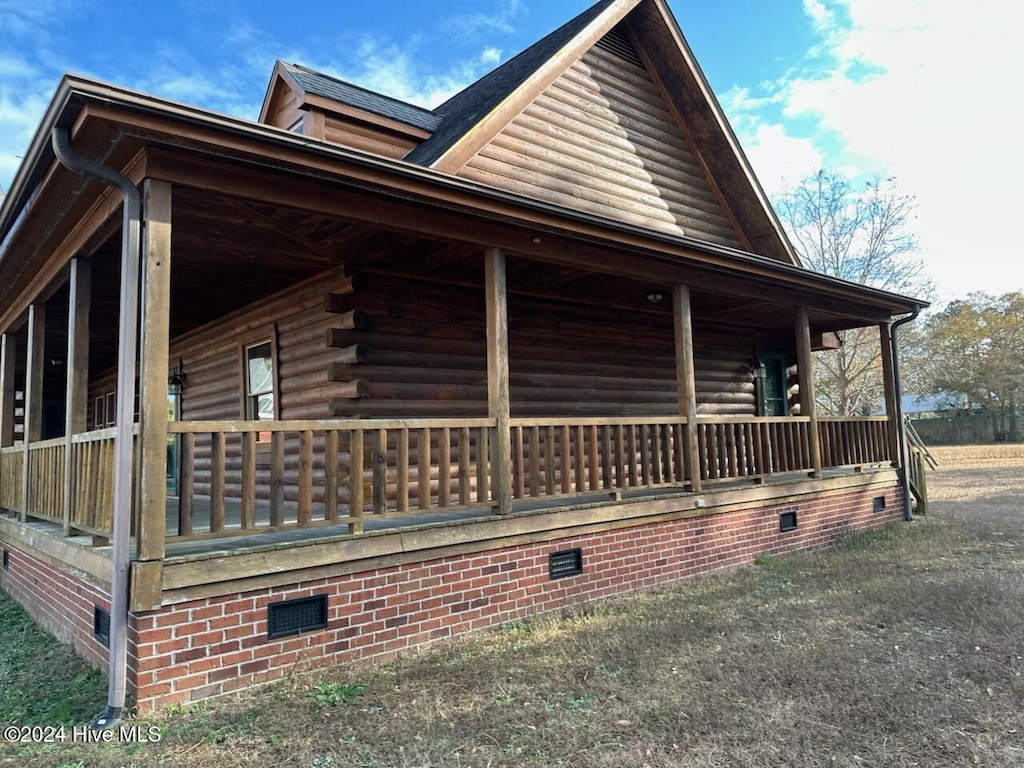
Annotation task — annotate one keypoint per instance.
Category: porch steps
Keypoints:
(919, 458)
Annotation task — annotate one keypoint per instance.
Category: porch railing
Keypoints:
(245, 477)
(741, 447)
(854, 441)
(556, 457)
(90, 490)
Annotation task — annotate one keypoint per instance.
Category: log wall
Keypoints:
(369, 138)
(601, 139)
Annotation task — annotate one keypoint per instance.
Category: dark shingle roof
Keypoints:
(468, 107)
(319, 84)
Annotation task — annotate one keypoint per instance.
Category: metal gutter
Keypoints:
(74, 92)
(908, 514)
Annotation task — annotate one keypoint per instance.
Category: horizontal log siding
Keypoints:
(358, 135)
(425, 357)
(601, 139)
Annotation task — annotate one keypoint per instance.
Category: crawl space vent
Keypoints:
(787, 521)
(569, 562)
(293, 616)
(7, 560)
(101, 625)
(878, 504)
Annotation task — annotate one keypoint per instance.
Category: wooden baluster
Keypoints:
(464, 466)
(534, 459)
(566, 461)
(217, 482)
(658, 469)
(379, 462)
(355, 452)
(305, 479)
(581, 479)
(550, 480)
(606, 456)
(331, 475)
(483, 461)
(423, 478)
(277, 478)
(645, 455)
(631, 447)
(402, 470)
(595, 477)
(520, 464)
(444, 468)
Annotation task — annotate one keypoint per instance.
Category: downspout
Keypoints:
(126, 357)
(904, 470)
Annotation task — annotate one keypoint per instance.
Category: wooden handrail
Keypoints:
(321, 425)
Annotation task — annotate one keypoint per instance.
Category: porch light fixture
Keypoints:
(655, 297)
(176, 380)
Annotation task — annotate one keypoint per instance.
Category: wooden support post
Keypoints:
(76, 390)
(892, 431)
(686, 385)
(805, 372)
(498, 397)
(33, 418)
(8, 356)
(156, 316)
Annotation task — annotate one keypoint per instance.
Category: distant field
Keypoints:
(901, 647)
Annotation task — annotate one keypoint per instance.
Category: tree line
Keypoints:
(968, 354)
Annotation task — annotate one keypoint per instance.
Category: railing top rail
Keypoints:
(587, 421)
(753, 419)
(325, 425)
(108, 433)
(12, 449)
(853, 419)
(41, 445)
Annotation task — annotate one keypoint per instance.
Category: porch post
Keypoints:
(33, 394)
(498, 397)
(686, 386)
(156, 263)
(8, 351)
(889, 380)
(805, 372)
(77, 381)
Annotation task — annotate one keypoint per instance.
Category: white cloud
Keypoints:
(918, 89)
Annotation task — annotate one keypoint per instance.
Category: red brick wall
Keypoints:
(209, 647)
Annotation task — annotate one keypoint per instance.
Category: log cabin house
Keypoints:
(362, 375)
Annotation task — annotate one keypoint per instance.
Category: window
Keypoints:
(259, 382)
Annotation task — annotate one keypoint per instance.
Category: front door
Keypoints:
(774, 393)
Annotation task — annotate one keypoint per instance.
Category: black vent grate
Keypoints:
(293, 616)
(787, 521)
(618, 43)
(566, 563)
(7, 560)
(878, 504)
(101, 625)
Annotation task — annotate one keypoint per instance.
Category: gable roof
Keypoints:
(318, 84)
(465, 110)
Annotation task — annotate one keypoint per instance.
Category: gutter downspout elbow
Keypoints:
(126, 360)
(908, 514)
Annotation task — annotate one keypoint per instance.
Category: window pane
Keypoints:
(260, 369)
(265, 407)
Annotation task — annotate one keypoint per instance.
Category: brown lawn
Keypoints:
(902, 647)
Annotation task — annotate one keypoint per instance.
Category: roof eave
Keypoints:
(73, 93)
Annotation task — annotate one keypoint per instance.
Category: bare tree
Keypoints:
(859, 233)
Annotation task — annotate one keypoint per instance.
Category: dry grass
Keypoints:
(903, 647)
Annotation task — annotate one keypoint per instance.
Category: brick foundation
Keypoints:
(205, 648)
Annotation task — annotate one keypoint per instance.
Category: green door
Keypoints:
(774, 393)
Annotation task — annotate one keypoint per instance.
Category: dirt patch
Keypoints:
(901, 647)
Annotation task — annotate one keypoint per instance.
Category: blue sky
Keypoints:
(909, 88)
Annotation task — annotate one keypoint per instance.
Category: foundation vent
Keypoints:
(569, 562)
(290, 617)
(7, 560)
(101, 625)
(878, 504)
(787, 521)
